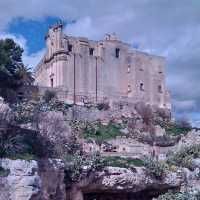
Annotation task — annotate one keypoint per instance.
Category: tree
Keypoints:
(25, 75)
(13, 73)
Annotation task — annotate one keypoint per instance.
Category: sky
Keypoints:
(169, 28)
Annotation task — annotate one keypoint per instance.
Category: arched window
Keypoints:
(142, 86)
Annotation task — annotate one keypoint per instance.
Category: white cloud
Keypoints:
(169, 28)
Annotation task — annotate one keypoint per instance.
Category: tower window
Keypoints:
(51, 82)
(70, 47)
(142, 86)
(129, 88)
(160, 89)
(91, 51)
(117, 52)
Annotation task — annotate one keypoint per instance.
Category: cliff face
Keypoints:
(31, 180)
(44, 180)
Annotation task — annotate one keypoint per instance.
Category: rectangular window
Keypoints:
(160, 89)
(70, 47)
(51, 82)
(91, 51)
(117, 52)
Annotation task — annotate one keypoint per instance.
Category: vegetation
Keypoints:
(80, 166)
(177, 128)
(13, 73)
(21, 144)
(103, 106)
(116, 161)
(28, 111)
(4, 172)
(101, 132)
(49, 95)
(180, 196)
(155, 168)
(184, 157)
(162, 141)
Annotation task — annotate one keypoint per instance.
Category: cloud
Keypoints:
(167, 28)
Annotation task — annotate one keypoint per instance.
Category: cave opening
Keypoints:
(143, 195)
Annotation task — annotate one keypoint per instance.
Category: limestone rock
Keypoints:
(22, 182)
(5, 113)
(118, 179)
(32, 180)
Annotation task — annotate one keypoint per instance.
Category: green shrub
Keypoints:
(116, 161)
(155, 168)
(101, 132)
(49, 95)
(79, 166)
(29, 111)
(184, 157)
(103, 106)
(180, 196)
(24, 144)
(176, 129)
(4, 172)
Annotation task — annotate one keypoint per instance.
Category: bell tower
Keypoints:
(54, 39)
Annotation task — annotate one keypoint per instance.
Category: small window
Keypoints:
(142, 86)
(160, 89)
(129, 69)
(91, 51)
(51, 82)
(117, 53)
(129, 88)
(70, 47)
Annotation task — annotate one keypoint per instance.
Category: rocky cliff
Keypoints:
(44, 180)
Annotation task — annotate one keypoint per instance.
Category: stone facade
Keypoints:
(95, 71)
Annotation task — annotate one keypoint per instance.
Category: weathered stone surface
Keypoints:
(5, 114)
(122, 179)
(114, 180)
(22, 182)
(31, 180)
(79, 77)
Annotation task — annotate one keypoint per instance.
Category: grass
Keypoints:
(175, 129)
(102, 132)
(116, 161)
(24, 156)
(4, 172)
(184, 157)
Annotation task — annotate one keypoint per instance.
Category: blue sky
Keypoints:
(32, 30)
(166, 28)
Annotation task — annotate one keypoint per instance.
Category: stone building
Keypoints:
(83, 70)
